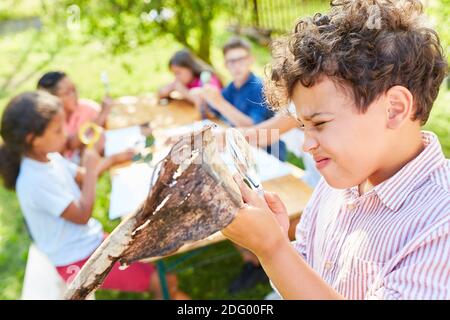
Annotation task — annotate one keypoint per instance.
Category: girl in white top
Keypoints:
(55, 195)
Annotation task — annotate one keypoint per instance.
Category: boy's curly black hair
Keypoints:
(367, 46)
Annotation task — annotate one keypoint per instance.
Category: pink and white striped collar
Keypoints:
(394, 191)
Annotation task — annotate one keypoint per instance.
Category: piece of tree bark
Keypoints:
(193, 197)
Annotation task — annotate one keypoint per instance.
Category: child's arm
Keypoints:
(214, 97)
(165, 91)
(80, 211)
(282, 262)
(107, 104)
(261, 133)
(232, 113)
(79, 177)
(116, 159)
(105, 164)
(260, 226)
(180, 88)
(186, 93)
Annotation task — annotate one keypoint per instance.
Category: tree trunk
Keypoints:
(193, 197)
(204, 42)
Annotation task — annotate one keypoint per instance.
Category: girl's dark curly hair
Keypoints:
(27, 113)
(367, 46)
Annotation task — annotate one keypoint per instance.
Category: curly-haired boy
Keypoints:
(363, 79)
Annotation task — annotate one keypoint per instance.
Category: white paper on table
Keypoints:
(268, 167)
(119, 140)
(130, 187)
(182, 130)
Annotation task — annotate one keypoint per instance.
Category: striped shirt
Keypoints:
(392, 242)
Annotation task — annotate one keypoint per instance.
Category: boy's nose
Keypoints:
(309, 143)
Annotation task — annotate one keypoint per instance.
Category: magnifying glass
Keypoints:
(89, 134)
(244, 161)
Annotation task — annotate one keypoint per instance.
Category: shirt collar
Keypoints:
(250, 79)
(394, 191)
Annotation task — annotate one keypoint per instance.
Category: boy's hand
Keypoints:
(271, 201)
(197, 93)
(212, 94)
(197, 97)
(209, 93)
(261, 224)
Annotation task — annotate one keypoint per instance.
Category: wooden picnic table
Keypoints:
(136, 110)
(132, 110)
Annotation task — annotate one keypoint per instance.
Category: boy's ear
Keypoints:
(400, 106)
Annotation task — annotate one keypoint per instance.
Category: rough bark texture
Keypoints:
(193, 197)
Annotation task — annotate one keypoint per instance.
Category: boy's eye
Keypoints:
(318, 124)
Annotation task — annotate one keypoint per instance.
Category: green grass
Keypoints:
(14, 243)
(138, 71)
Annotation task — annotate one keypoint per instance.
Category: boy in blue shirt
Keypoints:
(242, 102)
